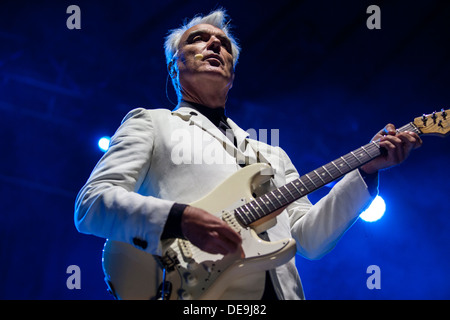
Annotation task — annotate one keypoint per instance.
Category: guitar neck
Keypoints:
(283, 196)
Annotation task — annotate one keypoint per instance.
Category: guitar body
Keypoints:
(191, 273)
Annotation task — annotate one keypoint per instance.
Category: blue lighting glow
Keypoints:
(103, 143)
(375, 211)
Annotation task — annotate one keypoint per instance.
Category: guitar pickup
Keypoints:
(230, 219)
(185, 248)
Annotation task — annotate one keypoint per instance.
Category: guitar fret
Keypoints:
(311, 180)
(409, 127)
(336, 167)
(249, 211)
(303, 185)
(319, 176)
(243, 217)
(346, 162)
(357, 158)
(270, 201)
(283, 195)
(294, 184)
(285, 186)
(265, 204)
(299, 191)
(257, 203)
(376, 145)
(324, 168)
(255, 210)
(276, 198)
(368, 151)
(296, 189)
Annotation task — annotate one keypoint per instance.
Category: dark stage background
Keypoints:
(311, 69)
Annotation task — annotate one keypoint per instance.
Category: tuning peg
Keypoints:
(424, 119)
(443, 113)
(434, 117)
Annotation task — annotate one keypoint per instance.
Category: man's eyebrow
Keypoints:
(194, 33)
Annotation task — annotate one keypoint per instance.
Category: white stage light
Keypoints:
(103, 143)
(375, 211)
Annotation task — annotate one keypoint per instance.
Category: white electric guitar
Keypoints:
(186, 272)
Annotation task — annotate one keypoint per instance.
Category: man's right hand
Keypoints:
(208, 232)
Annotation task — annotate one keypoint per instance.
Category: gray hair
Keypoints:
(216, 18)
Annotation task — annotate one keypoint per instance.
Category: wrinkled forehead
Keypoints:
(202, 28)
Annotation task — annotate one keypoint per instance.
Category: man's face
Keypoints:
(217, 60)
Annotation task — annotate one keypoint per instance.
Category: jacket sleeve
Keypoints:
(317, 228)
(108, 205)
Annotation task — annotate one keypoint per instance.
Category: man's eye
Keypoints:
(197, 38)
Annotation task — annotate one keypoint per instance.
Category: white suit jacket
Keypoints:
(158, 157)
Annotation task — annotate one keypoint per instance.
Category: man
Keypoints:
(130, 196)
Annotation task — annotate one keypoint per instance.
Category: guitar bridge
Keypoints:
(169, 260)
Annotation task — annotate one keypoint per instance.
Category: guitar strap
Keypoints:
(260, 158)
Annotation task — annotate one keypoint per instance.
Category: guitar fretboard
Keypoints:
(283, 196)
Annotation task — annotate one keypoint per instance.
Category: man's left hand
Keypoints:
(398, 146)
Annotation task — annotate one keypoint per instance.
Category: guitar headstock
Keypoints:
(436, 123)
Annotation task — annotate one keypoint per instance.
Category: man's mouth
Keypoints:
(214, 59)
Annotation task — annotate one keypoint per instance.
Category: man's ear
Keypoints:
(171, 68)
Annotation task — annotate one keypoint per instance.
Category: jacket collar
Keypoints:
(185, 111)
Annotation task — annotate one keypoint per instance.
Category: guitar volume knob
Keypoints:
(184, 295)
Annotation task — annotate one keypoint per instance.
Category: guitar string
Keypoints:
(350, 159)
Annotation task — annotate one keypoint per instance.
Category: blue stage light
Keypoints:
(375, 211)
(103, 143)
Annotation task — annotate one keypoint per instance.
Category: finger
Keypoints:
(215, 246)
(408, 142)
(231, 239)
(391, 147)
(418, 141)
(218, 243)
(394, 140)
(389, 130)
(231, 235)
(411, 140)
(398, 147)
(222, 234)
(209, 232)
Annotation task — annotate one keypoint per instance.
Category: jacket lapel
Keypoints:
(196, 118)
(243, 152)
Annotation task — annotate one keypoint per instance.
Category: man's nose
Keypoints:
(214, 44)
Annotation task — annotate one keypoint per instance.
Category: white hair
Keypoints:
(216, 18)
